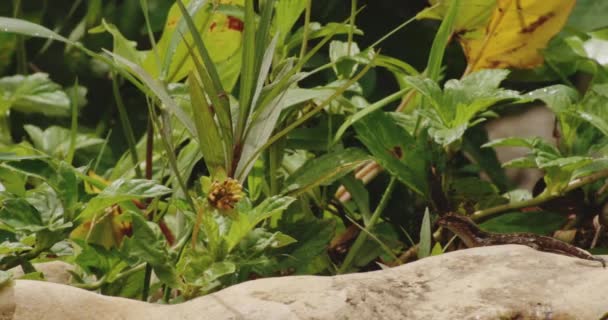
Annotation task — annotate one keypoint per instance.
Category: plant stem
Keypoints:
(126, 124)
(352, 253)
(351, 30)
(273, 164)
(147, 277)
(485, 214)
(74, 123)
(305, 30)
(97, 284)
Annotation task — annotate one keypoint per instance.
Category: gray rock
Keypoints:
(503, 282)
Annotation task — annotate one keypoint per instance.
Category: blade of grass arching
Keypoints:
(211, 82)
(366, 111)
(247, 80)
(209, 139)
(74, 123)
(126, 125)
(245, 163)
(440, 42)
(383, 245)
(354, 250)
(159, 90)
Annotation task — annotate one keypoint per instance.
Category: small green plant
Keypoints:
(255, 142)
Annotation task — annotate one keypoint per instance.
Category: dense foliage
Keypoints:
(212, 142)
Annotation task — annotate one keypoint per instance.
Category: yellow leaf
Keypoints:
(515, 34)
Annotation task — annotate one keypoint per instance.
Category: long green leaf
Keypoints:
(248, 64)
(324, 170)
(442, 37)
(209, 138)
(211, 83)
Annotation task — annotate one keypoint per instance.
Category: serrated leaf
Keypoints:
(35, 93)
(395, 149)
(55, 141)
(313, 237)
(19, 215)
(246, 221)
(558, 98)
(149, 245)
(123, 190)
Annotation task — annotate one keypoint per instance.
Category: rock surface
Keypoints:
(504, 282)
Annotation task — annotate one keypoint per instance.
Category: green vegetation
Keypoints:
(213, 142)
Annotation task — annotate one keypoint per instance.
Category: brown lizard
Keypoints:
(472, 236)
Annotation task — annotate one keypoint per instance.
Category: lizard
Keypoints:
(473, 236)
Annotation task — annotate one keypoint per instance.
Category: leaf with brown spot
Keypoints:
(504, 33)
(515, 34)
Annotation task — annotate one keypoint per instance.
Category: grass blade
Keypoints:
(440, 42)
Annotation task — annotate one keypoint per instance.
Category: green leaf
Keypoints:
(209, 138)
(588, 15)
(20, 215)
(595, 166)
(209, 76)
(260, 240)
(424, 248)
(28, 28)
(338, 50)
(558, 98)
(440, 42)
(13, 248)
(97, 260)
(122, 46)
(395, 149)
(313, 237)
(123, 190)
(219, 269)
(55, 141)
(324, 170)
(159, 90)
(359, 195)
(287, 14)
(485, 158)
(35, 93)
(437, 249)
(246, 221)
(45, 200)
(538, 222)
(149, 245)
